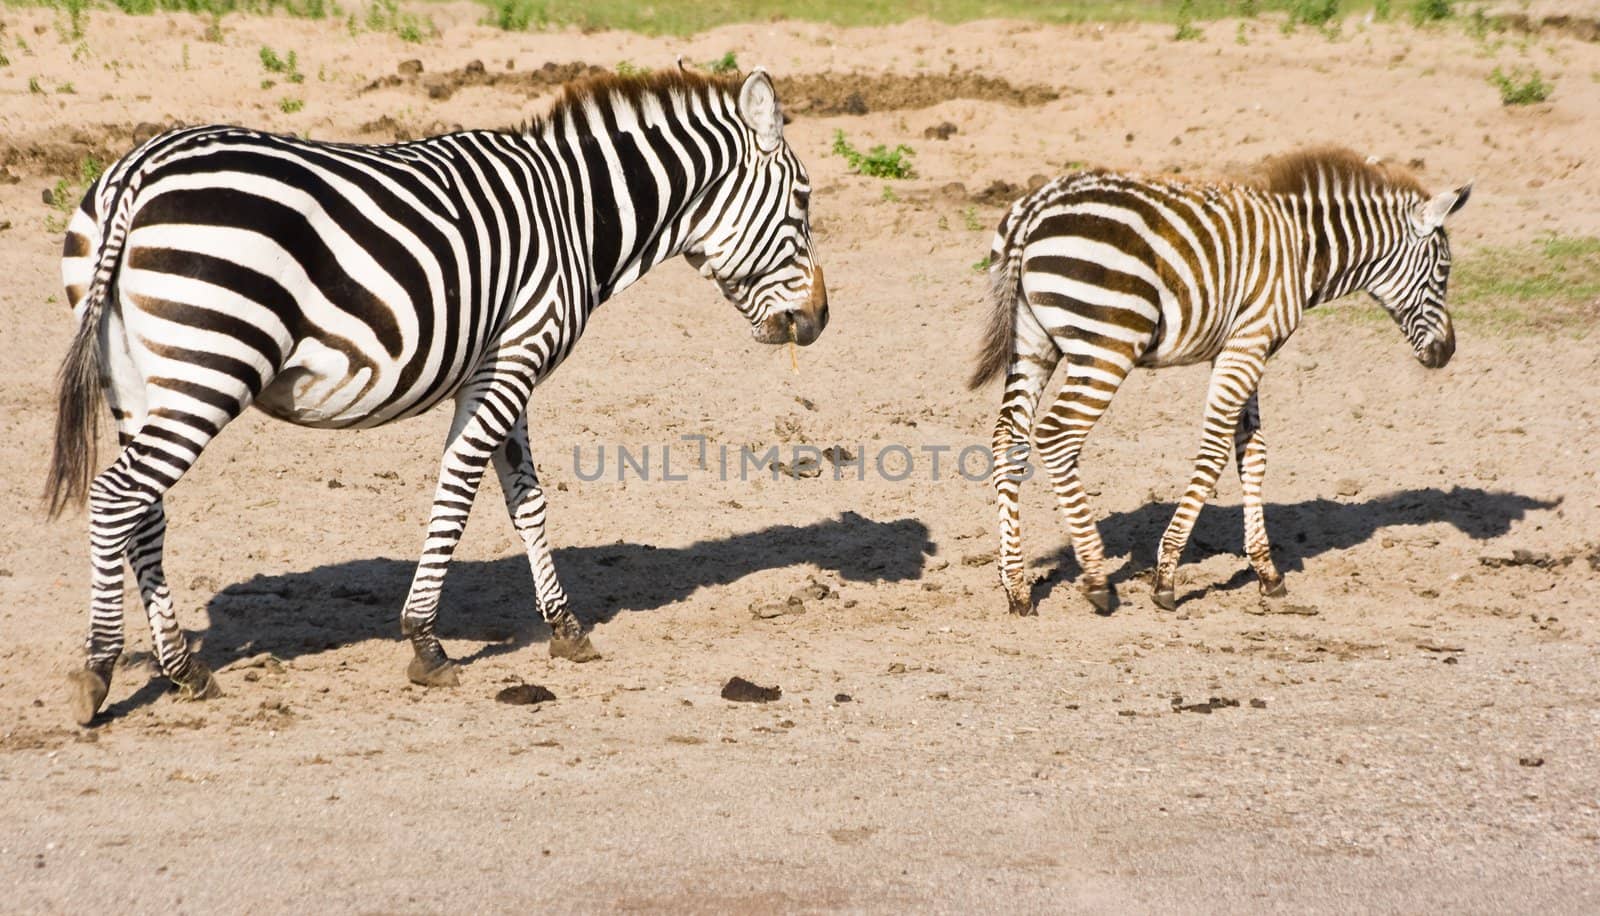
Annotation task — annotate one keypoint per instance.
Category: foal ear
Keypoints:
(758, 107)
(1430, 215)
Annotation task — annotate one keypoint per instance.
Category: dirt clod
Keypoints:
(525, 695)
(740, 690)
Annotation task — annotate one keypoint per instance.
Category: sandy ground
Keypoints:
(1414, 728)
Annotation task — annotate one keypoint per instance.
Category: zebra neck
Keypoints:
(1339, 245)
(638, 189)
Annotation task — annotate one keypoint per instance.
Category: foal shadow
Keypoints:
(1298, 530)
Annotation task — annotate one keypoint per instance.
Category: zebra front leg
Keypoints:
(519, 480)
(1250, 447)
(482, 420)
(1233, 381)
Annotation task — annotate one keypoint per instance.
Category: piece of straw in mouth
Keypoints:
(794, 351)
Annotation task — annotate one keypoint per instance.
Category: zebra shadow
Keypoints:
(1298, 531)
(492, 601)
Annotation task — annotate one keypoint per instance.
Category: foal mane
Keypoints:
(1297, 171)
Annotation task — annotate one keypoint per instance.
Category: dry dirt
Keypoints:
(1415, 728)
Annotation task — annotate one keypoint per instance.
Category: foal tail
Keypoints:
(79, 381)
(1005, 287)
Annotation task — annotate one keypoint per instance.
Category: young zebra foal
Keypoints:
(1110, 272)
(341, 286)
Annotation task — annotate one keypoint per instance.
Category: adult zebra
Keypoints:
(1111, 271)
(347, 286)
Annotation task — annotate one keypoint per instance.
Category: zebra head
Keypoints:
(753, 234)
(1411, 286)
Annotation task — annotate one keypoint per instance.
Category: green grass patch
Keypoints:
(1522, 86)
(1552, 284)
(687, 17)
(877, 162)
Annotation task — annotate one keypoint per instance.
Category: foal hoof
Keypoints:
(1166, 600)
(1274, 589)
(577, 650)
(86, 691)
(1020, 606)
(443, 673)
(1100, 597)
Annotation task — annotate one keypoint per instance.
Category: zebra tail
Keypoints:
(1005, 286)
(79, 391)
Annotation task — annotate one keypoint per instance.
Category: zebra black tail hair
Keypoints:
(1005, 288)
(79, 382)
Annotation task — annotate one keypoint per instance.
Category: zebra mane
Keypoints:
(611, 91)
(1297, 171)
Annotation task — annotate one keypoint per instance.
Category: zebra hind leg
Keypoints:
(519, 481)
(1061, 434)
(1251, 448)
(483, 419)
(145, 546)
(1033, 359)
(126, 519)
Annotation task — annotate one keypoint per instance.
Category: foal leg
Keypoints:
(1251, 448)
(513, 463)
(484, 415)
(1033, 359)
(1233, 382)
(1087, 392)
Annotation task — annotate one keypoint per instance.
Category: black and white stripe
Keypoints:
(342, 286)
(1105, 272)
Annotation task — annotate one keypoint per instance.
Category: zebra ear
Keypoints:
(1431, 215)
(758, 107)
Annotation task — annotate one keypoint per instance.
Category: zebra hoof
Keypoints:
(578, 649)
(1166, 599)
(200, 685)
(1021, 607)
(1274, 589)
(1101, 598)
(87, 690)
(442, 673)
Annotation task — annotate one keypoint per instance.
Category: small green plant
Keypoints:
(1426, 11)
(1382, 10)
(889, 195)
(34, 87)
(727, 63)
(288, 65)
(982, 265)
(90, 170)
(66, 89)
(1522, 86)
(969, 218)
(1316, 13)
(290, 105)
(1248, 9)
(213, 32)
(4, 60)
(75, 10)
(629, 68)
(1186, 28)
(877, 162)
(516, 15)
(1241, 35)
